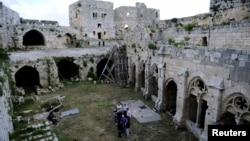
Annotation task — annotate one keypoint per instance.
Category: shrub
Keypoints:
(4, 56)
(91, 75)
(189, 27)
(91, 60)
(186, 38)
(171, 41)
(152, 46)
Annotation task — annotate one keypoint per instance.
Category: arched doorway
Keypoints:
(105, 70)
(67, 39)
(196, 105)
(169, 97)
(67, 69)
(33, 38)
(28, 78)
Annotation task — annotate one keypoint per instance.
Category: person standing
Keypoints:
(119, 123)
(127, 126)
(123, 121)
(129, 114)
(124, 108)
(119, 106)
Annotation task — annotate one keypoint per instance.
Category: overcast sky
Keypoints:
(57, 10)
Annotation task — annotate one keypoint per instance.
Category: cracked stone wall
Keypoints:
(227, 10)
(8, 18)
(6, 125)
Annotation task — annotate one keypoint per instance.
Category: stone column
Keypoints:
(137, 73)
(161, 80)
(130, 68)
(181, 97)
(214, 105)
(199, 110)
(146, 92)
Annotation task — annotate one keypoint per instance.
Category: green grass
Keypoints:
(95, 103)
(94, 122)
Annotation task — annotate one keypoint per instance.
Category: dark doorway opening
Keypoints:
(193, 106)
(228, 119)
(204, 41)
(27, 78)
(33, 38)
(103, 70)
(133, 72)
(171, 94)
(68, 70)
(99, 35)
(142, 76)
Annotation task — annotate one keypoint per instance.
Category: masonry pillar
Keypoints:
(199, 110)
(181, 96)
(146, 93)
(137, 75)
(161, 80)
(213, 112)
(130, 72)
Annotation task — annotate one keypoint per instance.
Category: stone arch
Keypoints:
(33, 38)
(196, 104)
(238, 106)
(28, 78)
(153, 80)
(67, 39)
(67, 69)
(104, 69)
(141, 76)
(169, 96)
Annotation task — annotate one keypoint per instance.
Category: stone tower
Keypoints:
(8, 18)
(94, 19)
(224, 11)
(131, 17)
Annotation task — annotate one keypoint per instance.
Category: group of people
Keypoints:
(122, 116)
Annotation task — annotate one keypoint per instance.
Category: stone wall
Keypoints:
(6, 125)
(224, 73)
(8, 18)
(233, 35)
(200, 20)
(52, 35)
(227, 10)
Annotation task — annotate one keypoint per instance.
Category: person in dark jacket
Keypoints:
(119, 123)
(127, 126)
(52, 118)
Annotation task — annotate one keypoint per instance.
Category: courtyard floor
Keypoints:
(94, 122)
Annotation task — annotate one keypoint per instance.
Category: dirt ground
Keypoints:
(94, 122)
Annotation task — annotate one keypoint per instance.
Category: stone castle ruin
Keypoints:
(196, 68)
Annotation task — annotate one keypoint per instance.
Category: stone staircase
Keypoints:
(38, 129)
